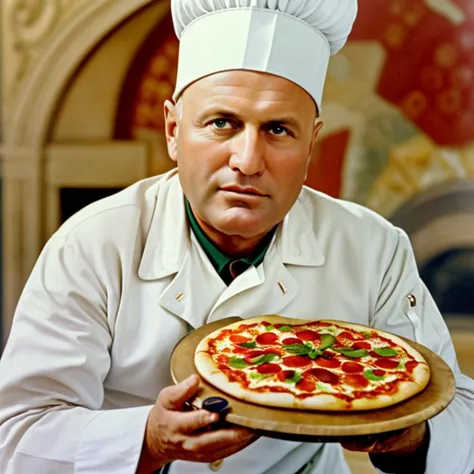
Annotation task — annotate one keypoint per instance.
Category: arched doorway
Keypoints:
(58, 129)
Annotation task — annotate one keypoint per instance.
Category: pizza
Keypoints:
(311, 365)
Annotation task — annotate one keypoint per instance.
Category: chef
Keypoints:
(85, 383)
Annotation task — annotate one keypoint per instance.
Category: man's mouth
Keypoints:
(247, 190)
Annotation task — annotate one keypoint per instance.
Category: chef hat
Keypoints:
(293, 39)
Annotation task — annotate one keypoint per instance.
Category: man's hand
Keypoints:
(398, 442)
(173, 434)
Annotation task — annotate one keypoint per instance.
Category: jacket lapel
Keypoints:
(195, 292)
(171, 254)
(271, 287)
(263, 290)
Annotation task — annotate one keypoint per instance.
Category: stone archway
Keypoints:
(73, 31)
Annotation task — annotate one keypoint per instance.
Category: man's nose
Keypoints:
(247, 152)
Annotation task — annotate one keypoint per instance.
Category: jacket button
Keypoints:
(412, 300)
(216, 465)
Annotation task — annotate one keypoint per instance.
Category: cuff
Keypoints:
(112, 442)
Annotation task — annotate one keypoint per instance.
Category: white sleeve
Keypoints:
(451, 449)
(52, 374)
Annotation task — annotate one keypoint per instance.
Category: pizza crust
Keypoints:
(323, 401)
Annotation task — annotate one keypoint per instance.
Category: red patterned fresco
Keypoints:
(427, 73)
(156, 86)
(325, 171)
(429, 70)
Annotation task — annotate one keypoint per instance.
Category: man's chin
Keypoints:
(243, 229)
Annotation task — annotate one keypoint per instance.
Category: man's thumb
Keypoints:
(174, 397)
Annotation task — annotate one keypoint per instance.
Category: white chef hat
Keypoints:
(293, 39)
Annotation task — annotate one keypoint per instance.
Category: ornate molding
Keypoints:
(32, 21)
(32, 24)
(30, 106)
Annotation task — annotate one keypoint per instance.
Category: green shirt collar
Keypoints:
(219, 260)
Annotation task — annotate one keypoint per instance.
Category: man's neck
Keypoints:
(231, 245)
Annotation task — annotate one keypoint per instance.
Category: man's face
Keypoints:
(242, 141)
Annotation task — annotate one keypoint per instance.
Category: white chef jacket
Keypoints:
(100, 314)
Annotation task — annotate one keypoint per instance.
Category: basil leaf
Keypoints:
(315, 353)
(248, 345)
(401, 366)
(237, 363)
(367, 334)
(327, 340)
(285, 328)
(354, 353)
(368, 374)
(295, 378)
(264, 358)
(269, 328)
(321, 387)
(386, 351)
(257, 376)
(298, 349)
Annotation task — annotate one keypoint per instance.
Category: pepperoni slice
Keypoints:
(252, 355)
(296, 361)
(361, 345)
(386, 363)
(411, 364)
(306, 385)
(352, 368)
(268, 369)
(255, 353)
(265, 324)
(356, 380)
(328, 363)
(323, 375)
(308, 335)
(267, 338)
(291, 340)
(378, 372)
(236, 339)
(285, 374)
(239, 350)
(258, 352)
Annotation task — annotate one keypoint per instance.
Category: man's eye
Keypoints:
(278, 130)
(221, 124)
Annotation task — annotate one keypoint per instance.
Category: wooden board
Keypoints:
(319, 426)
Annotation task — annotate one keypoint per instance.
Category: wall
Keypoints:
(398, 115)
(398, 103)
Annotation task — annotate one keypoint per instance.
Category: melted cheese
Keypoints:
(257, 381)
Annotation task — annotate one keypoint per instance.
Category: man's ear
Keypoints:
(171, 129)
(317, 128)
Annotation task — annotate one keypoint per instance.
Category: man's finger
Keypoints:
(219, 440)
(187, 422)
(173, 398)
(373, 443)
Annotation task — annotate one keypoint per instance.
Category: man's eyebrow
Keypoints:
(219, 112)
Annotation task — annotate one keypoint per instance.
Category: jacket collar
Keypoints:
(168, 239)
